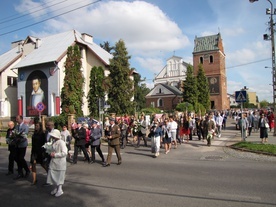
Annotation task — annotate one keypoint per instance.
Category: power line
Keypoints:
(31, 19)
(16, 16)
(257, 61)
(30, 25)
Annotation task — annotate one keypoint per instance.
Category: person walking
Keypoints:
(209, 129)
(113, 142)
(142, 130)
(243, 124)
(57, 167)
(219, 122)
(250, 120)
(156, 133)
(67, 138)
(172, 128)
(95, 140)
(79, 135)
(38, 140)
(11, 147)
(21, 147)
(263, 126)
(167, 136)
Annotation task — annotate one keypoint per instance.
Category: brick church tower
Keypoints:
(209, 52)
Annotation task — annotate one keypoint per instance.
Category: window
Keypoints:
(160, 102)
(201, 60)
(160, 91)
(211, 59)
(152, 104)
(12, 81)
(81, 52)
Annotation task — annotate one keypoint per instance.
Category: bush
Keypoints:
(59, 121)
(185, 106)
(150, 111)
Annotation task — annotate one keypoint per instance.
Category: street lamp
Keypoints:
(271, 12)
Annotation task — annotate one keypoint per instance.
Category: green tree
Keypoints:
(96, 90)
(190, 91)
(140, 92)
(121, 91)
(264, 104)
(106, 46)
(184, 107)
(203, 88)
(72, 91)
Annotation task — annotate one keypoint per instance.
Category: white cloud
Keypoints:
(152, 64)
(144, 27)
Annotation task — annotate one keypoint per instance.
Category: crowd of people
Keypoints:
(254, 120)
(51, 148)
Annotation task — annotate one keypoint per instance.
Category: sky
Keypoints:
(155, 30)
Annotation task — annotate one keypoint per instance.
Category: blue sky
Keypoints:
(154, 30)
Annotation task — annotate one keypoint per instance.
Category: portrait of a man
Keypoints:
(37, 95)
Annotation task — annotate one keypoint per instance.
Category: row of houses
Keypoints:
(32, 73)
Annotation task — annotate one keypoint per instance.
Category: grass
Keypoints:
(266, 148)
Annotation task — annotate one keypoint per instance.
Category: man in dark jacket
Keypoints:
(80, 134)
(11, 147)
(21, 147)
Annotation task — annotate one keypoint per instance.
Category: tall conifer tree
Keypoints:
(190, 92)
(96, 92)
(203, 88)
(72, 91)
(121, 91)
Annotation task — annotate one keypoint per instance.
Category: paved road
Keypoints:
(192, 175)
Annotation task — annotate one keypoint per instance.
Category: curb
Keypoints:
(248, 150)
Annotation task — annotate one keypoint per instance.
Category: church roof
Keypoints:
(173, 89)
(207, 43)
(166, 90)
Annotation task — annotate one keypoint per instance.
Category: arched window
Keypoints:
(201, 60)
(160, 103)
(211, 59)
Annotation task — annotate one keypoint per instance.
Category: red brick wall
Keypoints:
(169, 103)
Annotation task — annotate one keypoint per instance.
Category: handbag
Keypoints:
(266, 125)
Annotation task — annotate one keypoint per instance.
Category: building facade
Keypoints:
(164, 97)
(37, 64)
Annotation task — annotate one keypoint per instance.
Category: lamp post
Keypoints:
(271, 12)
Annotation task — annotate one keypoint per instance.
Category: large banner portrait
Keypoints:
(36, 94)
(214, 85)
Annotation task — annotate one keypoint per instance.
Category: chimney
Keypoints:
(37, 43)
(16, 44)
(87, 38)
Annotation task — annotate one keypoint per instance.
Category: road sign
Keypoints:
(240, 96)
(40, 107)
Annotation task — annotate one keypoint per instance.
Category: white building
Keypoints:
(44, 58)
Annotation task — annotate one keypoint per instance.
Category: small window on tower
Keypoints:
(211, 59)
(201, 60)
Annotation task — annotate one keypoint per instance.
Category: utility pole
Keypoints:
(271, 37)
